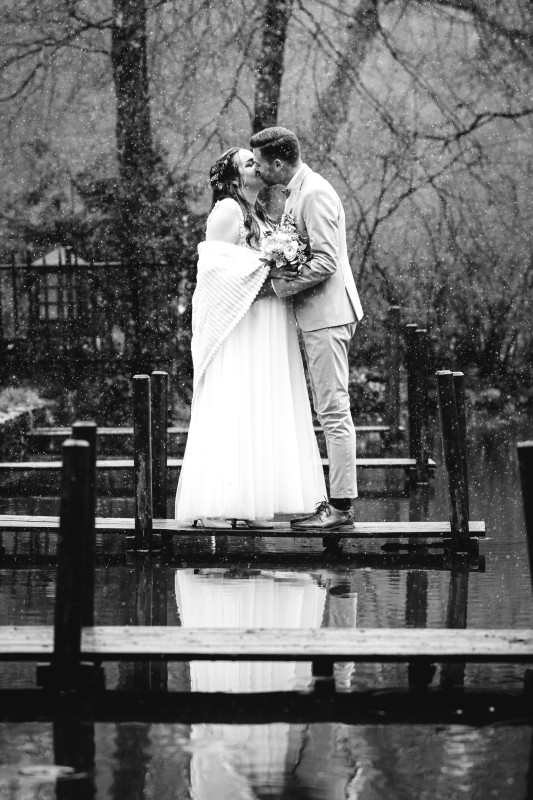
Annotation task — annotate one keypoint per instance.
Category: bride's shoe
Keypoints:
(211, 522)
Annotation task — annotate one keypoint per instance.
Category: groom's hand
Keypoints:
(283, 273)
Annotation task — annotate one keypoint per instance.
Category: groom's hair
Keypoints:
(277, 143)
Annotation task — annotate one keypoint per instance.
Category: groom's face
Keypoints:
(271, 172)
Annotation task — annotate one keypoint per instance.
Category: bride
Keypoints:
(251, 449)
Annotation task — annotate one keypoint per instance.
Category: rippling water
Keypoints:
(326, 761)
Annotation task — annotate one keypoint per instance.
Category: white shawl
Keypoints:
(228, 280)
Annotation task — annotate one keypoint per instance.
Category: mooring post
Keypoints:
(142, 462)
(417, 363)
(411, 366)
(75, 523)
(422, 456)
(525, 462)
(451, 445)
(393, 367)
(460, 405)
(160, 385)
(87, 431)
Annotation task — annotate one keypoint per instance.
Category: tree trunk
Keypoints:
(333, 105)
(269, 66)
(135, 153)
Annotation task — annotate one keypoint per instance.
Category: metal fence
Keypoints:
(81, 313)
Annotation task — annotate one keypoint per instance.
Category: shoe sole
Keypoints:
(322, 528)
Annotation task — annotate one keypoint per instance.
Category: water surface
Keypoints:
(245, 583)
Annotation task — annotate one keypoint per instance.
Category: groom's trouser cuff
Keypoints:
(326, 353)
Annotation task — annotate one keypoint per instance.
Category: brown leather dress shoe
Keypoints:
(325, 518)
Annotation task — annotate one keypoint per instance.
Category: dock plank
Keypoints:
(172, 430)
(112, 643)
(430, 528)
(176, 463)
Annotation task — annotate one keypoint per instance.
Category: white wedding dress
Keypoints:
(251, 449)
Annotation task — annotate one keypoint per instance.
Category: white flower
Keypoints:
(290, 250)
(269, 245)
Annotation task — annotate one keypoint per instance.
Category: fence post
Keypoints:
(160, 385)
(525, 462)
(451, 444)
(86, 431)
(75, 523)
(142, 462)
(393, 368)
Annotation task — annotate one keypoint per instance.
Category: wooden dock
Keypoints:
(40, 432)
(359, 530)
(75, 648)
(381, 645)
(175, 464)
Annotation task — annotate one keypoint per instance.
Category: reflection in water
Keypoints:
(245, 761)
(319, 761)
(228, 761)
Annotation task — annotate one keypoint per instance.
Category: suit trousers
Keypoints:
(326, 352)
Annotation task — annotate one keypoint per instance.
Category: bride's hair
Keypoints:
(226, 181)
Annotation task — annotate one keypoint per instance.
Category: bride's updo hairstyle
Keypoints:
(226, 181)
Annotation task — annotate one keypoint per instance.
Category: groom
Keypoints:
(327, 309)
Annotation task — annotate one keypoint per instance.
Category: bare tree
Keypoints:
(135, 151)
(269, 66)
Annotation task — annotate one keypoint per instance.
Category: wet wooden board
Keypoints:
(421, 559)
(172, 431)
(132, 643)
(176, 463)
(358, 530)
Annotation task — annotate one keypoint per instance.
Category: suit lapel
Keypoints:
(291, 201)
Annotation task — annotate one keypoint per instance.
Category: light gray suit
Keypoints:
(327, 307)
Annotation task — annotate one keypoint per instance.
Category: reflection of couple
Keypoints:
(237, 762)
(251, 450)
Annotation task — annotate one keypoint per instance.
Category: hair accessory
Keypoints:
(216, 173)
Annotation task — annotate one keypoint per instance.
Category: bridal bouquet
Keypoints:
(284, 246)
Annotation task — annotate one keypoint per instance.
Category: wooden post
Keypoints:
(323, 670)
(453, 674)
(417, 363)
(160, 384)
(393, 368)
(422, 455)
(159, 669)
(525, 463)
(75, 524)
(420, 674)
(460, 405)
(411, 366)
(86, 431)
(451, 445)
(142, 462)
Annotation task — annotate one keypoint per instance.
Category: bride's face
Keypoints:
(249, 177)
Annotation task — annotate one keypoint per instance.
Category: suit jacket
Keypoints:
(324, 294)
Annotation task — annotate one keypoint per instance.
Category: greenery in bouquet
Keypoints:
(284, 246)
